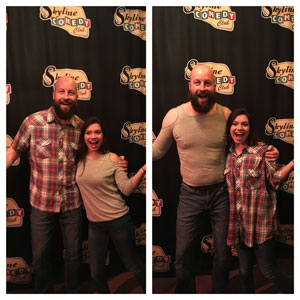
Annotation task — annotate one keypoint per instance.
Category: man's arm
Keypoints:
(272, 154)
(286, 170)
(123, 163)
(164, 140)
(11, 156)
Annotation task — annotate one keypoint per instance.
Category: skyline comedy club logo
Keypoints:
(18, 271)
(140, 235)
(135, 78)
(84, 86)
(285, 234)
(225, 81)
(282, 129)
(219, 17)
(14, 214)
(280, 15)
(207, 244)
(134, 133)
(69, 18)
(132, 20)
(160, 261)
(157, 205)
(281, 72)
(8, 93)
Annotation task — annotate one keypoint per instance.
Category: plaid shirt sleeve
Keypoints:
(21, 141)
(273, 175)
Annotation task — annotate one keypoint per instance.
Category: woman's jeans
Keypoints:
(123, 237)
(265, 256)
(43, 231)
(194, 202)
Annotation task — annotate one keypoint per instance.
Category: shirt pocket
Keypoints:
(253, 179)
(43, 149)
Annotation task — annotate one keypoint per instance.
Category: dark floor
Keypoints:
(125, 283)
(263, 286)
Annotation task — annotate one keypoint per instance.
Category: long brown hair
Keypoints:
(252, 139)
(83, 150)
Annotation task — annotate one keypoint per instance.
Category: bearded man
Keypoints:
(198, 128)
(51, 139)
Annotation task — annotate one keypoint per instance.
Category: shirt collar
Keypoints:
(249, 149)
(74, 121)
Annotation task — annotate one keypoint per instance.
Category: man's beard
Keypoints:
(62, 114)
(204, 107)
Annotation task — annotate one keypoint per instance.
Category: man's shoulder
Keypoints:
(226, 111)
(79, 122)
(170, 117)
(37, 117)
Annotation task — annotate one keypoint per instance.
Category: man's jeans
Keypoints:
(123, 238)
(194, 202)
(43, 230)
(265, 256)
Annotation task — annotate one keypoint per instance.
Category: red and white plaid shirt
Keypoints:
(52, 149)
(251, 182)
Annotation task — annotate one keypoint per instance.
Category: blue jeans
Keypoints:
(265, 256)
(43, 230)
(122, 235)
(193, 203)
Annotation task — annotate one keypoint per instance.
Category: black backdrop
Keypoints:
(106, 48)
(257, 46)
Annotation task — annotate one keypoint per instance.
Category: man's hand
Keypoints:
(123, 163)
(272, 154)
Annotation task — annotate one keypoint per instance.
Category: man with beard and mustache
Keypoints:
(51, 138)
(198, 127)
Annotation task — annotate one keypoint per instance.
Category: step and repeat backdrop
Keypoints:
(250, 50)
(104, 50)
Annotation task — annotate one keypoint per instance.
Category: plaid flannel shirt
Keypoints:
(252, 182)
(52, 149)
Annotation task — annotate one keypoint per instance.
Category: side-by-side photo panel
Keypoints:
(76, 150)
(223, 149)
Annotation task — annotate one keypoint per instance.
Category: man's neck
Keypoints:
(62, 122)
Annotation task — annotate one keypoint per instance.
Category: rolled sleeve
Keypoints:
(21, 141)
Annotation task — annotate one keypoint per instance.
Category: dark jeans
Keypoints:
(265, 256)
(123, 237)
(194, 202)
(43, 230)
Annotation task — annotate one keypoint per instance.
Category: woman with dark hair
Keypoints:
(101, 182)
(252, 182)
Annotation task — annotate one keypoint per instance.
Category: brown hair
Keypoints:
(83, 150)
(252, 139)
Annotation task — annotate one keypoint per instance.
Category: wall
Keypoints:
(104, 49)
(251, 52)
